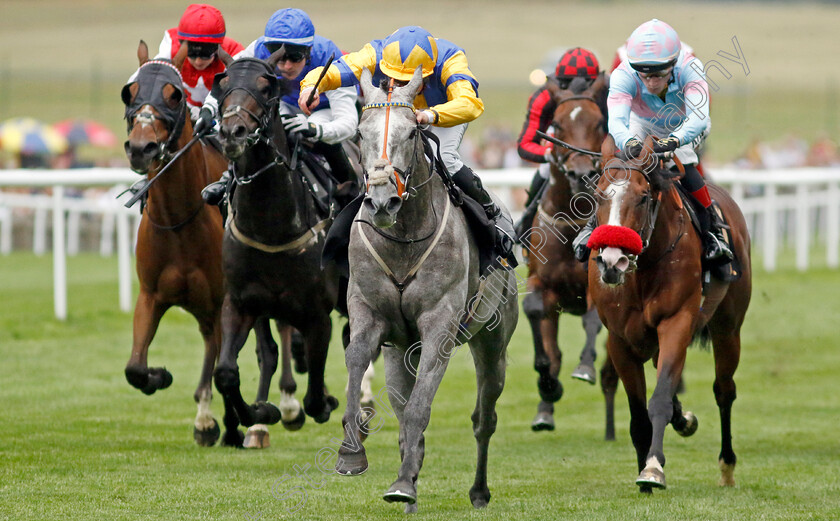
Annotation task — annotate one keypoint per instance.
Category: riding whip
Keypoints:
(556, 141)
(140, 193)
(321, 77)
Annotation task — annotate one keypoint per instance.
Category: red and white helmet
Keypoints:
(202, 23)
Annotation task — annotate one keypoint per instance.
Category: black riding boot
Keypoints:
(214, 193)
(531, 205)
(471, 185)
(715, 248)
(579, 244)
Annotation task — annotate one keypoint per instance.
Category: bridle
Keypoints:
(402, 178)
(572, 151)
(263, 131)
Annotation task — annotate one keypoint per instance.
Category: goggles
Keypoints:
(294, 53)
(201, 50)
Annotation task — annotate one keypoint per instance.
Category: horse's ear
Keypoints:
(599, 84)
(554, 89)
(366, 82)
(276, 56)
(607, 149)
(224, 57)
(172, 95)
(180, 56)
(416, 82)
(142, 52)
(647, 159)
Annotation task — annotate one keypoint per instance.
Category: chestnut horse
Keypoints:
(179, 240)
(556, 280)
(645, 279)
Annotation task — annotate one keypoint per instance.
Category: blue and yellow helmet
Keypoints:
(405, 50)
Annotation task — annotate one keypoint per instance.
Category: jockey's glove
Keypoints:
(668, 144)
(633, 148)
(299, 124)
(204, 123)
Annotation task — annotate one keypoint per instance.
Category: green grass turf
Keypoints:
(77, 442)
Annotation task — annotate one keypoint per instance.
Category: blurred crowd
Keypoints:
(789, 152)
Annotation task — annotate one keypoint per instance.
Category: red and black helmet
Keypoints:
(202, 23)
(577, 63)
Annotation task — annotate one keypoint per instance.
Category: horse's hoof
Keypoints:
(543, 421)
(691, 424)
(402, 492)
(256, 437)
(551, 390)
(651, 476)
(351, 463)
(584, 372)
(410, 508)
(480, 498)
(265, 412)
(330, 404)
(296, 423)
(233, 438)
(207, 437)
(727, 474)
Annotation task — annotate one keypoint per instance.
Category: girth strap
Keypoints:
(401, 284)
(300, 242)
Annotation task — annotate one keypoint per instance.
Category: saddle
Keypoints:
(728, 272)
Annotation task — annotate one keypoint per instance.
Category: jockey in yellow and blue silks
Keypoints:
(448, 100)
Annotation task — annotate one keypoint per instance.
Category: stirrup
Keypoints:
(716, 248)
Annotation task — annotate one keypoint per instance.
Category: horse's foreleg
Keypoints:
(586, 368)
(206, 429)
(317, 402)
(674, 336)
(365, 336)
(609, 385)
(263, 412)
(532, 306)
(438, 346)
(551, 390)
(632, 374)
(727, 349)
(235, 329)
(291, 410)
(147, 315)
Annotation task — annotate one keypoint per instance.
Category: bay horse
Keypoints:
(178, 252)
(557, 282)
(272, 243)
(416, 290)
(645, 279)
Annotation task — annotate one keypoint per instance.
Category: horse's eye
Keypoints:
(643, 200)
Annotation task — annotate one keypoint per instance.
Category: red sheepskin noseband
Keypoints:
(606, 236)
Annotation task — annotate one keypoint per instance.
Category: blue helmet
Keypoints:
(290, 26)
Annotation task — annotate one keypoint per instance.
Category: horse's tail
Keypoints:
(702, 337)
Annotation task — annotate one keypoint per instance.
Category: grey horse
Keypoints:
(415, 287)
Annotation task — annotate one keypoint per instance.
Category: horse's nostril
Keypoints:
(239, 131)
(394, 203)
(150, 149)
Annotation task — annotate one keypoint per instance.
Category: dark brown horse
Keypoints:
(645, 278)
(179, 240)
(556, 281)
(273, 242)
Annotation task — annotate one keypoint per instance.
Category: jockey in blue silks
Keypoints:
(660, 90)
(336, 118)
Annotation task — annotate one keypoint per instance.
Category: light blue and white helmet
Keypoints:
(653, 46)
(289, 26)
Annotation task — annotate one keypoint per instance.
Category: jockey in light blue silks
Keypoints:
(336, 118)
(660, 90)
(448, 100)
